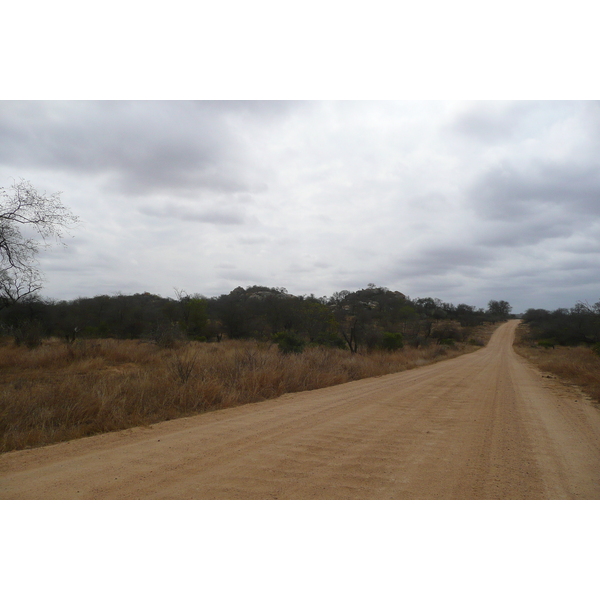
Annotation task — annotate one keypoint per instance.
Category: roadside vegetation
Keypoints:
(374, 317)
(565, 343)
(59, 391)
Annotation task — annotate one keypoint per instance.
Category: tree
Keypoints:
(24, 211)
(194, 313)
(499, 309)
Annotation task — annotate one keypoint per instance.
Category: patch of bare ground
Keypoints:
(575, 366)
(59, 392)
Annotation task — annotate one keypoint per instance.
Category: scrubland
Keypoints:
(578, 365)
(59, 391)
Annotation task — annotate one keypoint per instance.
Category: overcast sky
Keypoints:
(464, 201)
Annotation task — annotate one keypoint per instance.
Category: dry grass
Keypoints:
(58, 392)
(576, 365)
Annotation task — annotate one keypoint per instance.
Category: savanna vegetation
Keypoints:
(566, 343)
(367, 319)
(92, 365)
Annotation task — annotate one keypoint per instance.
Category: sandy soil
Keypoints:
(483, 425)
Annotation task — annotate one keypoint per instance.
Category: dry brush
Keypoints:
(577, 365)
(57, 391)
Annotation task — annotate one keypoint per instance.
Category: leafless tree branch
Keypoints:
(23, 207)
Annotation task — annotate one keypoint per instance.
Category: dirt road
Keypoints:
(483, 425)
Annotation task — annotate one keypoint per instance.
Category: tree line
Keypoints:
(575, 326)
(374, 317)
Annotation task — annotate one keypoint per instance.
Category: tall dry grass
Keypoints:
(58, 392)
(579, 366)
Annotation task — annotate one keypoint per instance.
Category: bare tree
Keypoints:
(29, 220)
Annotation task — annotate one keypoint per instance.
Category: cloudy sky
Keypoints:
(464, 201)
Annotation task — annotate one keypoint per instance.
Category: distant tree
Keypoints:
(535, 315)
(499, 309)
(339, 297)
(317, 321)
(23, 208)
(193, 315)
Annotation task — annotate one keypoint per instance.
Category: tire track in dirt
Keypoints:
(483, 425)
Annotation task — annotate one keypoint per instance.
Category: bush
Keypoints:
(289, 342)
(392, 341)
(330, 340)
(596, 348)
(168, 336)
(182, 365)
(547, 343)
(447, 332)
(420, 341)
(30, 334)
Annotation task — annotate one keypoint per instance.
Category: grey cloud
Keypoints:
(442, 259)
(516, 234)
(296, 268)
(577, 263)
(172, 210)
(308, 267)
(582, 245)
(258, 110)
(141, 145)
(238, 276)
(507, 193)
(250, 240)
(494, 122)
(486, 122)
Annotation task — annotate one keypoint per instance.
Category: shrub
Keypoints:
(330, 340)
(392, 341)
(30, 334)
(167, 336)
(288, 342)
(447, 332)
(182, 365)
(420, 341)
(547, 343)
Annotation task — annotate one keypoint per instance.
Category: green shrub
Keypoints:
(330, 340)
(392, 341)
(289, 342)
(546, 343)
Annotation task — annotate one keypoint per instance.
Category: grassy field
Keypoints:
(58, 391)
(576, 365)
